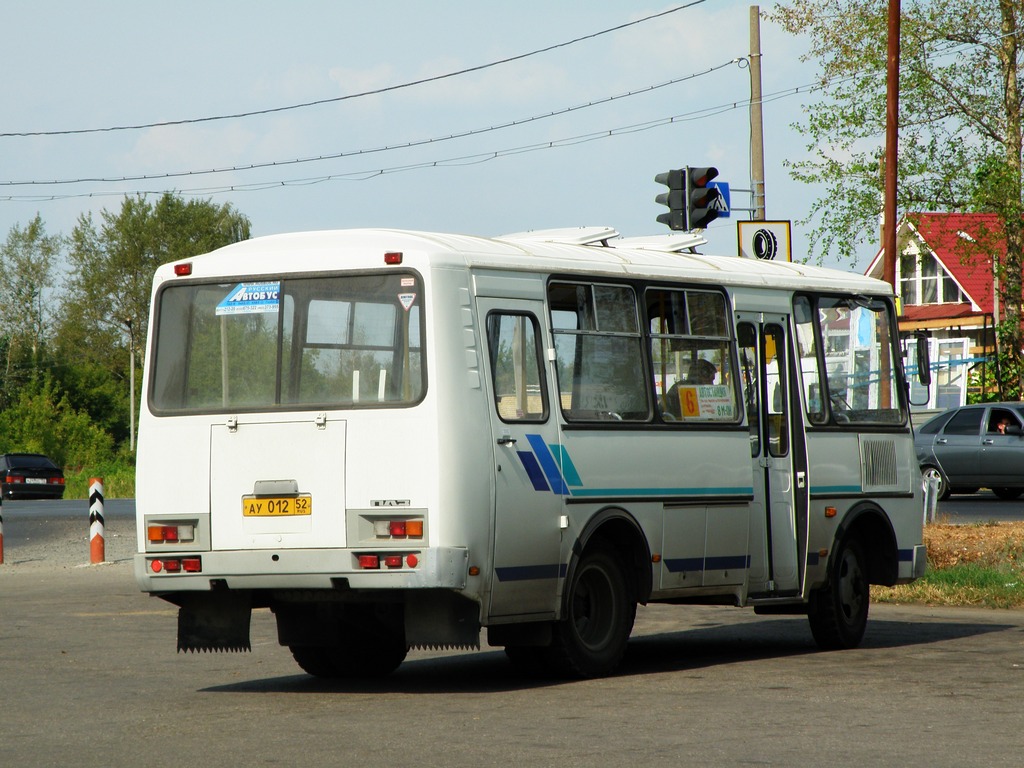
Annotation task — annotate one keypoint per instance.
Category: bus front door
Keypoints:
(777, 453)
(528, 479)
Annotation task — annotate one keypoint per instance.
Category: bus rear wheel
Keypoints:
(359, 657)
(838, 612)
(591, 638)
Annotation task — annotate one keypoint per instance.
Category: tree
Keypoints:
(960, 139)
(105, 310)
(26, 286)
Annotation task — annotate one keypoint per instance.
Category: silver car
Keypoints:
(974, 446)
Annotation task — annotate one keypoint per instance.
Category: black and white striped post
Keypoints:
(96, 543)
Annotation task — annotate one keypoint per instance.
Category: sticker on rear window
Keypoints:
(247, 298)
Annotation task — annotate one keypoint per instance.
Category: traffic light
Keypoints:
(702, 201)
(675, 198)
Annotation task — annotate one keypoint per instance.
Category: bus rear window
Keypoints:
(343, 341)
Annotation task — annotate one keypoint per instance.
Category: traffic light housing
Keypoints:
(675, 198)
(702, 201)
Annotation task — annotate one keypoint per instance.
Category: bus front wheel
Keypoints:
(591, 638)
(838, 612)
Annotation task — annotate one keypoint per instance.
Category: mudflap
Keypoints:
(439, 620)
(214, 621)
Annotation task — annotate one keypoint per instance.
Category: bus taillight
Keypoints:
(170, 534)
(398, 529)
(177, 565)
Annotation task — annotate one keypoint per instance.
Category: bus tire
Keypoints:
(591, 638)
(838, 612)
(348, 659)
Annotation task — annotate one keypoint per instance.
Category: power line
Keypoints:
(472, 159)
(363, 152)
(377, 91)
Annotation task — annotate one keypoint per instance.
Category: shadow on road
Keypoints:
(489, 671)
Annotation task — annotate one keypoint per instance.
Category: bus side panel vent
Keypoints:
(878, 464)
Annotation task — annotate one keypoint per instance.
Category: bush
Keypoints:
(43, 421)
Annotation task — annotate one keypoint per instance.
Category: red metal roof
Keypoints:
(962, 242)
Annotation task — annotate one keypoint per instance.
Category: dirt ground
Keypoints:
(987, 544)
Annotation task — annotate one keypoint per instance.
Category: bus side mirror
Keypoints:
(924, 363)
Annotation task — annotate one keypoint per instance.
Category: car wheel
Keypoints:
(929, 472)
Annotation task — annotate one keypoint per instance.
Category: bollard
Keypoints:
(1, 529)
(931, 497)
(96, 544)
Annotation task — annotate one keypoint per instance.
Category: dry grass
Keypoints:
(968, 565)
(988, 544)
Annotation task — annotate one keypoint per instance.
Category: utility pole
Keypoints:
(756, 120)
(892, 111)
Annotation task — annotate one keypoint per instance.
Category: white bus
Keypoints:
(395, 440)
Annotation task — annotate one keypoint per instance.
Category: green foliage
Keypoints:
(960, 134)
(118, 479)
(66, 350)
(989, 586)
(26, 283)
(959, 145)
(42, 420)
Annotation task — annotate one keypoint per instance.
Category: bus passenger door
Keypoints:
(528, 470)
(778, 458)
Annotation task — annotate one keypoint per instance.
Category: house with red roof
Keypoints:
(945, 286)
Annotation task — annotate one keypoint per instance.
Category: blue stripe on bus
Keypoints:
(906, 555)
(709, 491)
(825, 489)
(533, 470)
(547, 463)
(531, 572)
(572, 477)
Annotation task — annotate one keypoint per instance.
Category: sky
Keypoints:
(583, 104)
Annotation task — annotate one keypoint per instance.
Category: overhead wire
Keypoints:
(369, 151)
(461, 160)
(347, 97)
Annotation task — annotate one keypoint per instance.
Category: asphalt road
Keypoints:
(89, 677)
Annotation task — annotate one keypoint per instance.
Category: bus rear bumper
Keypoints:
(333, 569)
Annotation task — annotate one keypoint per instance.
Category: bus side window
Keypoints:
(810, 367)
(598, 352)
(514, 351)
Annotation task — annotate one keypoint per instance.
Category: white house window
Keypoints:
(923, 280)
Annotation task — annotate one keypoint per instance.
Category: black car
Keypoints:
(974, 446)
(30, 476)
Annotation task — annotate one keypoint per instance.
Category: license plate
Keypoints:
(277, 506)
(35, 480)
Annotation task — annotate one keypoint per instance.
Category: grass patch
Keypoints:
(968, 565)
(118, 481)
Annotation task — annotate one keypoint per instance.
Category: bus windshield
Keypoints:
(288, 344)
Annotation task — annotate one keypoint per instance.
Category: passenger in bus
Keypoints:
(702, 372)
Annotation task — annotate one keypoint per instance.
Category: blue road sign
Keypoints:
(723, 204)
